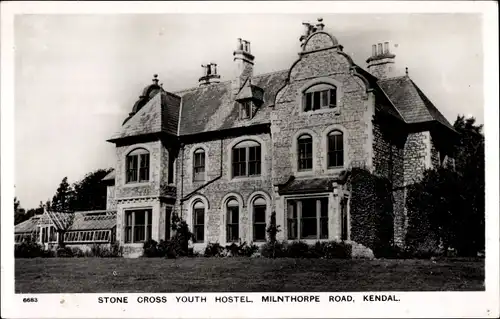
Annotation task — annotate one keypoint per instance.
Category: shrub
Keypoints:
(248, 250)
(116, 249)
(390, 252)
(273, 228)
(150, 248)
(77, 252)
(182, 236)
(317, 250)
(333, 249)
(28, 249)
(273, 249)
(242, 249)
(166, 249)
(213, 250)
(64, 252)
(425, 250)
(298, 249)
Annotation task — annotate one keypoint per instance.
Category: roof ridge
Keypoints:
(396, 78)
(227, 81)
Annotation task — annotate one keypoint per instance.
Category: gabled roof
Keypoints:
(27, 226)
(411, 102)
(87, 220)
(93, 220)
(212, 107)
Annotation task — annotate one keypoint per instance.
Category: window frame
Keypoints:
(254, 223)
(139, 172)
(295, 219)
(338, 134)
(235, 226)
(246, 165)
(246, 110)
(320, 96)
(79, 236)
(199, 177)
(133, 227)
(196, 210)
(308, 159)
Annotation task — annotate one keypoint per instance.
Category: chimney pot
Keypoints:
(380, 49)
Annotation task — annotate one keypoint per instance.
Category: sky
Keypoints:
(78, 76)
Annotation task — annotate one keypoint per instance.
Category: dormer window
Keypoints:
(245, 110)
(321, 96)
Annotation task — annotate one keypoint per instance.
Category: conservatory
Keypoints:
(81, 229)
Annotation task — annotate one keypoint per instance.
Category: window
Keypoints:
(259, 219)
(171, 165)
(246, 159)
(245, 110)
(87, 236)
(232, 220)
(305, 152)
(138, 226)
(199, 165)
(137, 169)
(335, 149)
(321, 96)
(199, 222)
(308, 218)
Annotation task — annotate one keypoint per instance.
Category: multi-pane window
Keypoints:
(199, 165)
(308, 218)
(87, 236)
(335, 149)
(232, 220)
(171, 166)
(199, 222)
(320, 96)
(245, 110)
(137, 166)
(305, 152)
(138, 225)
(246, 159)
(259, 219)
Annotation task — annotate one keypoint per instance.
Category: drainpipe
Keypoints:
(182, 175)
(183, 199)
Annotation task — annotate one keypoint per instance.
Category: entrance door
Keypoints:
(168, 219)
(344, 219)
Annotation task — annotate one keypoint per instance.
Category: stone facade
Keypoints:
(384, 145)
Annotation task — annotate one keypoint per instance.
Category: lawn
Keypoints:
(88, 275)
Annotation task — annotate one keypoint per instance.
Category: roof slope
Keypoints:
(212, 107)
(27, 226)
(93, 220)
(411, 102)
(160, 114)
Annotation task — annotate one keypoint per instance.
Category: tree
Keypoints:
(90, 192)
(64, 197)
(470, 165)
(447, 206)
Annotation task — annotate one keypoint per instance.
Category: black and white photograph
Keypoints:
(310, 159)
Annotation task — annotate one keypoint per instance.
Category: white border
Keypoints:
(414, 304)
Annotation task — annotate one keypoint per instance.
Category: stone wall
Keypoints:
(222, 185)
(156, 186)
(110, 198)
(352, 116)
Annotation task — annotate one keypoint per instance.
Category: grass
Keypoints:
(92, 275)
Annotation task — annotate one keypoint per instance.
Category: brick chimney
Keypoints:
(244, 64)
(209, 74)
(381, 63)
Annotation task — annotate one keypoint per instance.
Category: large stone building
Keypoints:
(224, 155)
